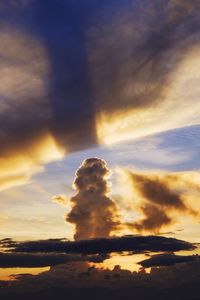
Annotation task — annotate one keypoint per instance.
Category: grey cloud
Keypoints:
(39, 260)
(105, 245)
(159, 200)
(167, 260)
(125, 52)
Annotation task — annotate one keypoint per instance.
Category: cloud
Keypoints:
(7, 243)
(8, 5)
(29, 67)
(60, 199)
(18, 167)
(78, 279)
(36, 260)
(103, 245)
(15, 180)
(123, 82)
(93, 213)
(26, 141)
(167, 260)
(157, 191)
(162, 197)
(16, 260)
(154, 219)
(144, 83)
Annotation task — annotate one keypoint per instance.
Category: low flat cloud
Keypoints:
(167, 260)
(36, 260)
(102, 245)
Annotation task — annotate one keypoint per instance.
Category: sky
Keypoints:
(99, 135)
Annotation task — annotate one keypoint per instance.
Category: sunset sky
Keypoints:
(99, 135)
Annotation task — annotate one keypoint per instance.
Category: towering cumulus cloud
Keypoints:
(93, 212)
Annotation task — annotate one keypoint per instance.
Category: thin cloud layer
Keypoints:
(93, 213)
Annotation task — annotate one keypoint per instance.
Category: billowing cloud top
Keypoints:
(93, 212)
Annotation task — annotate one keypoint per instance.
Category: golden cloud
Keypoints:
(160, 199)
(23, 73)
(18, 168)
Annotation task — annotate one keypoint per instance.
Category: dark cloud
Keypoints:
(28, 260)
(76, 274)
(73, 60)
(7, 243)
(154, 218)
(62, 105)
(167, 260)
(105, 245)
(93, 213)
(145, 34)
(161, 197)
(157, 191)
(78, 280)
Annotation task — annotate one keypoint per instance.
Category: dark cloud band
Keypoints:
(167, 260)
(24, 260)
(105, 245)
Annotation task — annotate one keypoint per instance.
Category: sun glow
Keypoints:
(10, 273)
